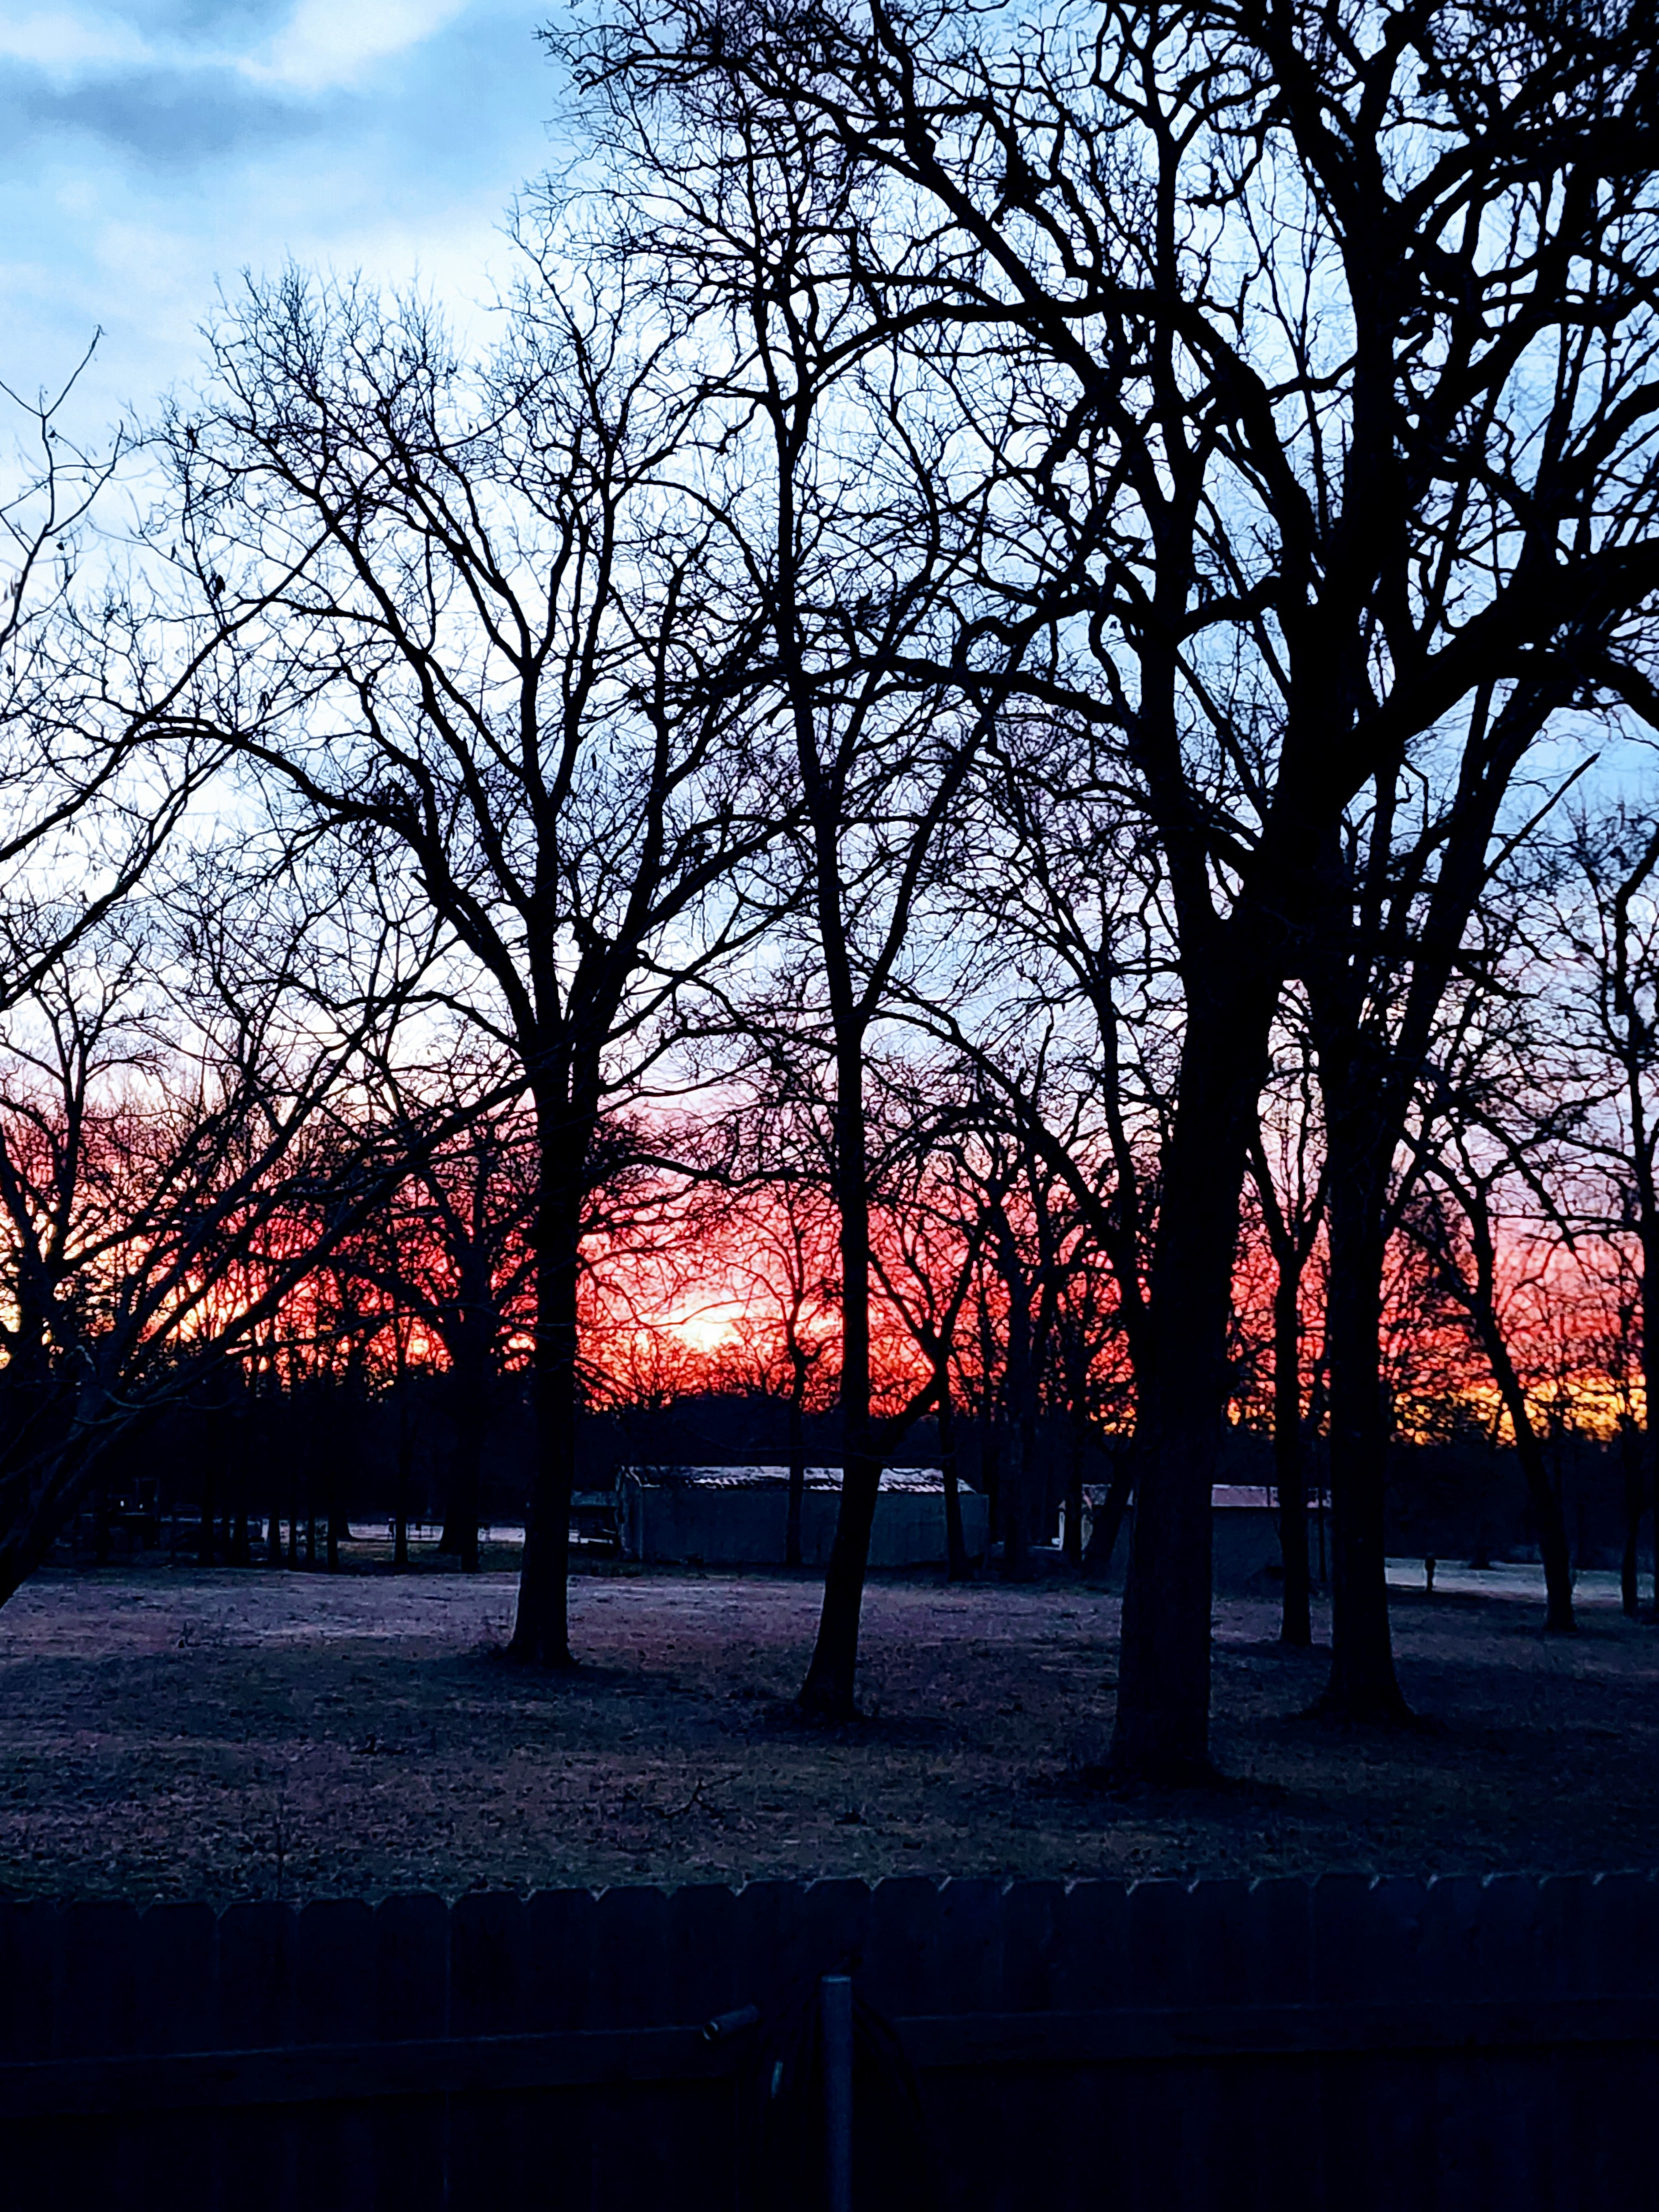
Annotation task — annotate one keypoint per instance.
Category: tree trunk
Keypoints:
(1289, 1460)
(990, 1472)
(54, 1499)
(1074, 1493)
(469, 1394)
(956, 1547)
(273, 1487)
(1367, 1082)
(1362, 1686)
(1552, 1545)
(1162, 1731)
(1016, 1507)
(343, 1429)
(1630, 1456)
(1019, 1392)
(207, 1532)
(791, 1552)
(829, 1688)
(1103, 1534)
(400, 1494)
(541, 1630)
(239, 1541)
(1649, 1236)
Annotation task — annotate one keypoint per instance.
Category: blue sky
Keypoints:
(147, 150)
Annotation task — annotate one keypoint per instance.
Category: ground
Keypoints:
(228, 1734)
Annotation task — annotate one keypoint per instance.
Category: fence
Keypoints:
(1340, 2043)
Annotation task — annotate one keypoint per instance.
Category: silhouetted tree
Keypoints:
(178, 1155)
(1252, 305)
(1606, 926)
(497, 659)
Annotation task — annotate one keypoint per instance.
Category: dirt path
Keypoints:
(228, 1734)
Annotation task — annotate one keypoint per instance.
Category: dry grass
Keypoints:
(232, 1735)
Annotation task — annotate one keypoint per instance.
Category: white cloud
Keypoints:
(407, 183)
(63, 42)
(324, 45)
(327, 42)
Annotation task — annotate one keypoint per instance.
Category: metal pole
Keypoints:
(835, 2020)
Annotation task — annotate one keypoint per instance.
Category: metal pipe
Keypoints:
(835, 2022)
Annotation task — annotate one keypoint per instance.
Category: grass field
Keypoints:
(225, 1735)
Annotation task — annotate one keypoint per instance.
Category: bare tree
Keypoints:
(179, 1154)
(1606, 926)
(1255, 300)
(495, 653)
(1026, 1233)
(452, 1249)
(1063, 1002)
(1480, 1201)
(937, 1190)
(1065, 1007)
(855, 552)
(100, 756)
(777, 1238)
(1612, 1339)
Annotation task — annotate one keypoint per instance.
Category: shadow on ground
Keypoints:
(235, 1735)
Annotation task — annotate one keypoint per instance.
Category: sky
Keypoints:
(150, 151)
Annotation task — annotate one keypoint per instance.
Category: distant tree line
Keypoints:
(998, 757)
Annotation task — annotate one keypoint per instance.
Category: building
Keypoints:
(731, 1517)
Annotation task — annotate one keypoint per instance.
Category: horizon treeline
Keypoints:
(996, 761)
